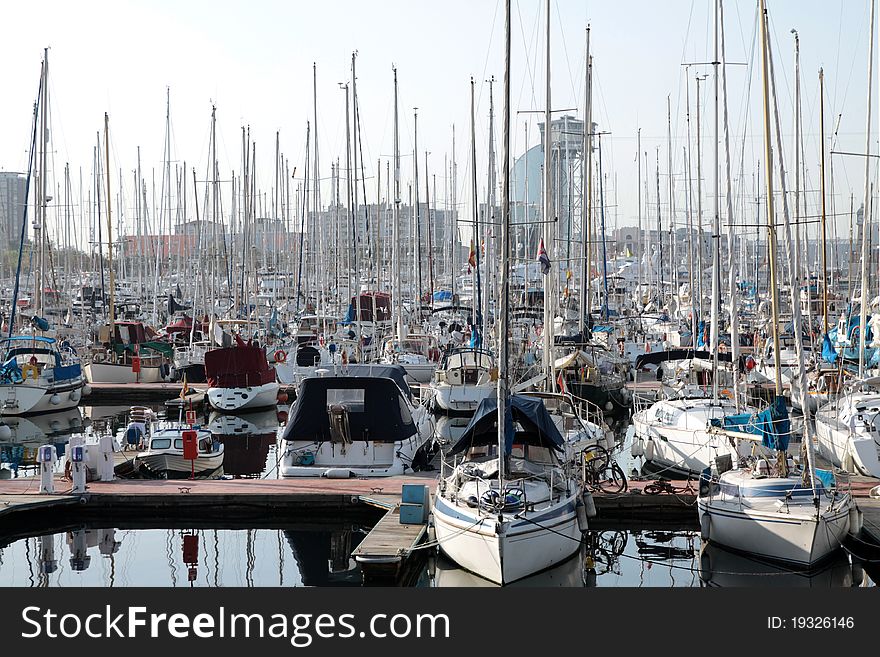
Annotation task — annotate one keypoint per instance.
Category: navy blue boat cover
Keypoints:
(530, 413)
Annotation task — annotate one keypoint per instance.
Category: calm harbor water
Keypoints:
(318, 554)
(112, 557)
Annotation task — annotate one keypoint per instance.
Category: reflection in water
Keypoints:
(321, 556)
(720, 567)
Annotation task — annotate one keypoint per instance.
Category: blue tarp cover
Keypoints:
(529, 412)
(772, 424)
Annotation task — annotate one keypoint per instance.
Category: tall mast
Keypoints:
(731, 255)
(822, 194)
(505, 252)
(397, 294)
(416, 215)
(490, 209)
(40, 220)
(716, 233)
(548, 233)
(867, 208)
(700, 245)
(586, 202)
(771, 230)
(475, 230)
(109, 232)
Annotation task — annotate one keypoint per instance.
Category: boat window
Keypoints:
(160, 443)
(351, 398)
(178, 443)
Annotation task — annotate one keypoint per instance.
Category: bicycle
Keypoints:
(663, 485)
(601, 472)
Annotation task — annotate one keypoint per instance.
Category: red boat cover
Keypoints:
(238, 367)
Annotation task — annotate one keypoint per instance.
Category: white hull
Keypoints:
(20, 398)
(68, 396)
(358, 459)
(854, 452)
(170, 462)
(112, 373)
(796, 536)
(510, 550)
(420, 372)
(239, 399)
(462, 398)
(688, 449)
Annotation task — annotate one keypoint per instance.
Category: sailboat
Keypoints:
(788, 514)
(508, 507)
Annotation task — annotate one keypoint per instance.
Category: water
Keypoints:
(310, 556)
(250, 439)
(318, 554)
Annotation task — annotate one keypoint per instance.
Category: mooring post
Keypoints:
(46, 457)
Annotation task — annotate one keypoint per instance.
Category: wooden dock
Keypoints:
(136, 393)
(385, 550)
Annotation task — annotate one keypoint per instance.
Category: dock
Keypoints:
(138, 393)
(386, 549)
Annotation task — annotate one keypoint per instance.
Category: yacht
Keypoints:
(359, 421)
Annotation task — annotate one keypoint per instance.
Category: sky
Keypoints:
(254, 61)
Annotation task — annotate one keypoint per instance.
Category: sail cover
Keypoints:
(535, 426)
(772, 424)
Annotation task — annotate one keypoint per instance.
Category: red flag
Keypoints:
(472, 257)
(560, 383)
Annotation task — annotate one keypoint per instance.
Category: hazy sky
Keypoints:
(254, 61)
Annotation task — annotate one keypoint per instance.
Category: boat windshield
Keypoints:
(160, 443)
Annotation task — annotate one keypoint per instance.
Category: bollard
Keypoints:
(78, 468)
(48, 563)
(46, 457)
(105, 458)
(79, 558)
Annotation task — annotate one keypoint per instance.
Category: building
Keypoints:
(13, 196)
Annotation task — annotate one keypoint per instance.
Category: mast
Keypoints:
(863, 310)
(771, 230)
(505, 253)
(586, 203)
(475, 230)
(731, 256)
(716, 233)
(110, 234)
(796, 308)
(397, 294)
(40, 222)
(490, 209)
(822, 195)
(547, 333)
(416, 215)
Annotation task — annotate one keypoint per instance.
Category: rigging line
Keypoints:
(565, 49)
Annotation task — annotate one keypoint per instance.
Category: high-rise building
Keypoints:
(13, 197)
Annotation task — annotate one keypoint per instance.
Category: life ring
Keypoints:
(280, 356)
(29, 369)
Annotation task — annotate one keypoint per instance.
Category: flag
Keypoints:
(184, 391)
(560, 383)
(543, 259)
(472, 257)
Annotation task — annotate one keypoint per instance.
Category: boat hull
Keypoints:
(506, 551)
(239, 399)
(20, 398)
(119, 373)
(174, 466)
(461, 398)
(797, 537)
(853, 452)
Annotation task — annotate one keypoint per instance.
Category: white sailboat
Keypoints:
(508, 508)
(789, 515)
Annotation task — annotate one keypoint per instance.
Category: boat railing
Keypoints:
(642, 401)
